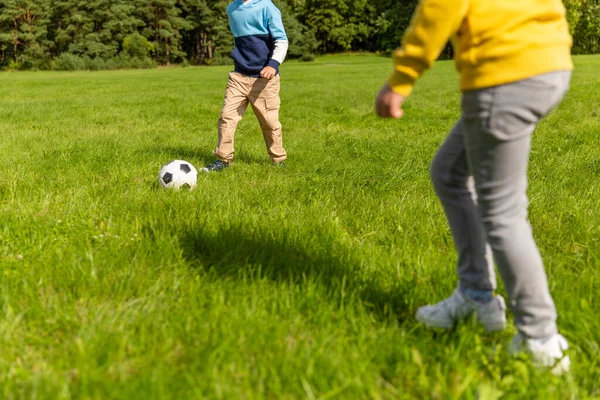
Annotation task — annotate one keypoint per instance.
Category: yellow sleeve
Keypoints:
(432, 24)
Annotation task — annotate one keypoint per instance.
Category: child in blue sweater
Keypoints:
(260, 47)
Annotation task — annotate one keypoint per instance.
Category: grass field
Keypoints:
(267, 283)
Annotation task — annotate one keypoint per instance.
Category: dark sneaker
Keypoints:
(280, 164)
(216, 166)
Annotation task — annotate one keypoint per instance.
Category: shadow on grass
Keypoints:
(268, 255)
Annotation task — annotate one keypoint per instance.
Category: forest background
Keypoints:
(113, 34)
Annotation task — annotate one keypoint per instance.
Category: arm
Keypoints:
(432, 24)
(279, 53)
(277, 31)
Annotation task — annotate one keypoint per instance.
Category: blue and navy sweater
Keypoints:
(260, 38)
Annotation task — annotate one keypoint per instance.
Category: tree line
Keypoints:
(104, 34)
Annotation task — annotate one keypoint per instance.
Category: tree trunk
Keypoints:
(59, 28)
(16, 42)
(204, 52)
(156, 27)
(168, 51)
(197, 47)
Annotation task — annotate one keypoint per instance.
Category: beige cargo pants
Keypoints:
(263, 95)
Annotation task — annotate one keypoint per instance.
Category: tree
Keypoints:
(391, 22)
(137, 46)
(80, 28)
(586, 33)
(25, 32)
(88, 32)
(338, 24)
(120, 21)
(208, 31)
(302, 40)
(164, 25)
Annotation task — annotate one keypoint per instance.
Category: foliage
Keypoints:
(69, 62)
(73, 62)
(209, 31)
(24, 32)
(308, 57)
(573, 12)
(586, 32)
(35, 32)
(164, 26)
(391, 23)
(301, 39)
(339, 25)
(220, 58)
(137, 46)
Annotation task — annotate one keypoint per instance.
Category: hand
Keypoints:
(389, 103)
(268, 72)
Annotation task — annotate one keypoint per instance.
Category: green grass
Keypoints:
(267, 283)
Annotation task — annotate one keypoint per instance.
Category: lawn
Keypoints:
(268, 283)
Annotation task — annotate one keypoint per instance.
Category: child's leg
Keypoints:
(265, 103)
(234, 107)
(450, 176)
(499, 122)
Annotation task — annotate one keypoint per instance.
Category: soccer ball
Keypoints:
(178, 174)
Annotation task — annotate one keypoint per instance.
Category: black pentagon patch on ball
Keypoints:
(185, 168)
(167, 178)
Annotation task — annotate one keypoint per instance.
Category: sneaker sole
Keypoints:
(562, 366)
(212, 170)
(489, 327)
(558, 366)
(494, 327)
(431, 323)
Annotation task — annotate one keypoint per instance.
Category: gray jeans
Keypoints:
(490, 146)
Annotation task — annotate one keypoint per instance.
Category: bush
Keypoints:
(148, 63)
(220, 59)
(68, 62)
(127, 62)
(137, 46)
(44, 65)
(302, 39)
(95, 64)
(308, 57)
(111, 64)
(573, 13)
(72, 62)
(14, 65)
(586, 37)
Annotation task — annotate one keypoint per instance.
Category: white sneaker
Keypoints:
(545, 353)
(446, 313)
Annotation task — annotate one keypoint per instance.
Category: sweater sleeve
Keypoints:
(280, 51)
(277, 31)
(432, 24)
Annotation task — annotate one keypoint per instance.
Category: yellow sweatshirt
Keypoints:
(494, 41)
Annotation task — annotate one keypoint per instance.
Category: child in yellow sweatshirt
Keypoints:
(515, 66)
